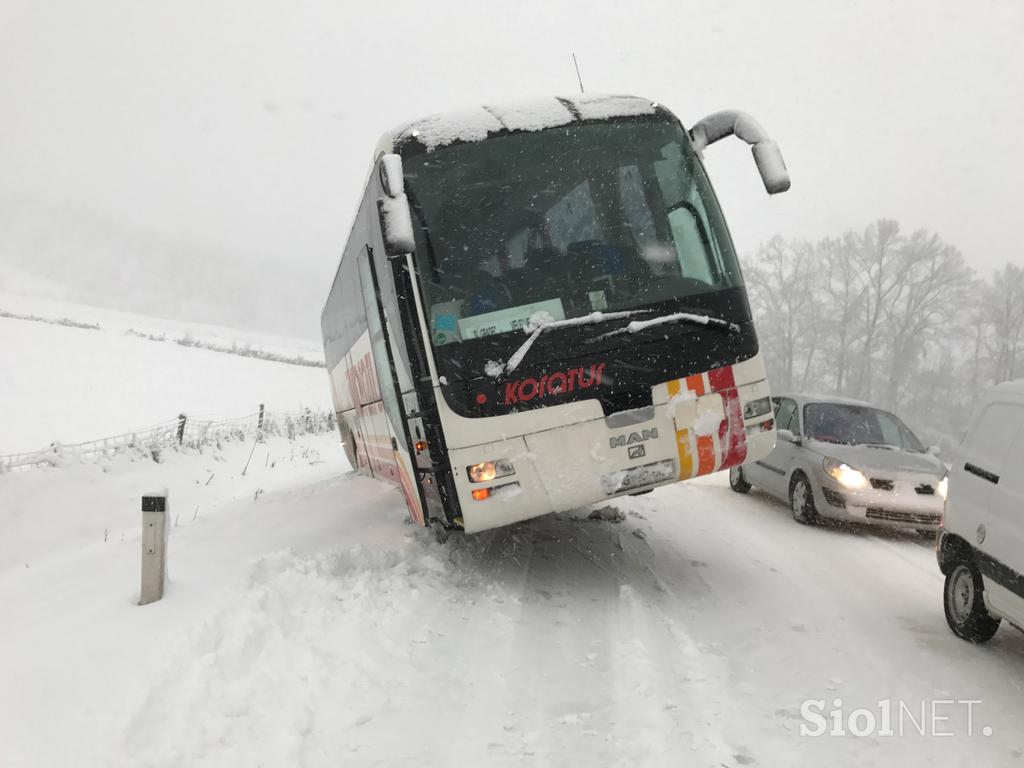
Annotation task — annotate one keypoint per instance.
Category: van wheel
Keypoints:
(737, 481)
(801, 500)
(965, 605)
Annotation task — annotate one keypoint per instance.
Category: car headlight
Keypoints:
(943, 487)
(844, 474)
(486, 471)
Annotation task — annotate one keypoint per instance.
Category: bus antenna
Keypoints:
(577, 65)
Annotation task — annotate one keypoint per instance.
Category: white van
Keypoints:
(981, 541)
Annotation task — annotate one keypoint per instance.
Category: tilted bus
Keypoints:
(539, 307)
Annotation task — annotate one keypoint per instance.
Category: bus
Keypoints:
(539, 307)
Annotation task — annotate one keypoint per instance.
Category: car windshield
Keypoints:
(561, 223)
(857, 425)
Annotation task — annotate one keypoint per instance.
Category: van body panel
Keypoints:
(985, 507)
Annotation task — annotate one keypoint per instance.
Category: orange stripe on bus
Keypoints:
(685, 455)
(705, 454)
(695, 383)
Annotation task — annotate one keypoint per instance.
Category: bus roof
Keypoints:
(477, 123)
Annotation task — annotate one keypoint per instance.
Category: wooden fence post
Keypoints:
(154, 546)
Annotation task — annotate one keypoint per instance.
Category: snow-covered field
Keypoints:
(306, 624)
(70, 385)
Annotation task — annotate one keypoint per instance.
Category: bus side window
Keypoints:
(689, 243)
(698, 253)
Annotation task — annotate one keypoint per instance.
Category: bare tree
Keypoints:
(933, 282)
(878, 262)
(901, 319)
(844, 292)
(783, 298)
(1004, 305)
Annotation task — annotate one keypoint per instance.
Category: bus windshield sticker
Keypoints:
(444, 320)
(505, 320)
(598, 300)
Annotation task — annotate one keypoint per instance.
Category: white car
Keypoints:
(981, 544)
(847, 460)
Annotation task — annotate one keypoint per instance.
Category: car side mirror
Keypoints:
(393, 208)
(934, 450)
(789, 436)
(767, 155)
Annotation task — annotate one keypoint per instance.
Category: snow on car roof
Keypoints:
(1015, 387)
(477, 123)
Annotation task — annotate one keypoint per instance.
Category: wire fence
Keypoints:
(182, 432)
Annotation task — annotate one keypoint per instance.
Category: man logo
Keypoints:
(636, 451)
(620, 441)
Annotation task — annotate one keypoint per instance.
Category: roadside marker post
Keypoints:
(154, 546)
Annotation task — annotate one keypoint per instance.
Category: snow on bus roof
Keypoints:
(599, 106)
(477, 123)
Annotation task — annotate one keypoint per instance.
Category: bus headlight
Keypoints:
(844, 474)
(486, 471)
(754, 408)
(943, 487)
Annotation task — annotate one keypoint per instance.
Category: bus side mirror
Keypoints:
(396, 225)
(393, 208)
(767, 155)
(392, 179)
(771, 166)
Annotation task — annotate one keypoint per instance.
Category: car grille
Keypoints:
(915, 518)
(881, 484)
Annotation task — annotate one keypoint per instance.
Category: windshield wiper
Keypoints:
(676, 317)
(495, 369)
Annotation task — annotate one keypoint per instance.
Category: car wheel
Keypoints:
(801, 500)
(737, 481)
(965, 604)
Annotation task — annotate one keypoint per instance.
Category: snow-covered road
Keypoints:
(309, 626)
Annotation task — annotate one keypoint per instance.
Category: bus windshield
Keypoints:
(555, 224)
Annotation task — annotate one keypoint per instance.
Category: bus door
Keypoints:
(401, 468)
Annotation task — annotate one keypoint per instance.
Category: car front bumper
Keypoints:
(901, 507)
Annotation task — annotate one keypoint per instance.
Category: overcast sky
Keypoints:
(251, 123)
